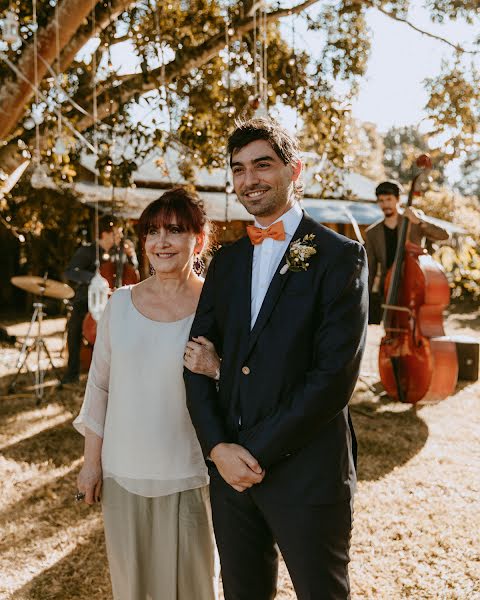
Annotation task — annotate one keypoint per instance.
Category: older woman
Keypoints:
(142, 457)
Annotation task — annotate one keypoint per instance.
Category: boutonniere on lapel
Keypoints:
(299, 252)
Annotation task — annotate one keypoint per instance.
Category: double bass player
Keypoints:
(381, 237)
(416, 361)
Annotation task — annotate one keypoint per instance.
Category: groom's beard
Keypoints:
(266, 205)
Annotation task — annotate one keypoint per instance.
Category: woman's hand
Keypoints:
(201, 357)
(89, 482)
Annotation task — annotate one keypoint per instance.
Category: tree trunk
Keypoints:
(10, 160)
(103, 17)
(16, 92)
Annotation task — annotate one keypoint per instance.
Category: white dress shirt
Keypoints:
(267, 257)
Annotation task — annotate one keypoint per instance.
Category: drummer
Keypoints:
(80, 271)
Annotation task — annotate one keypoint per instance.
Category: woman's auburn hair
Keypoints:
(180, 204)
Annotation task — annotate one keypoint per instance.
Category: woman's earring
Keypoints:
(198, 265)
(152, 270)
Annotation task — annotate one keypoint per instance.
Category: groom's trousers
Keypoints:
(314, 541)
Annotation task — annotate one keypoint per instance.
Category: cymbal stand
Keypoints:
(68, 309)
(37, 347)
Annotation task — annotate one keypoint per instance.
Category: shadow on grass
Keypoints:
(42, 512)
(83, 573)
(24, 399)
(465, 314)
(60, 445)
(388, 435)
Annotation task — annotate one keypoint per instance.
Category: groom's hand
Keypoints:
(237, 466)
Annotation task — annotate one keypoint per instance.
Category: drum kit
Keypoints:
(34, 345)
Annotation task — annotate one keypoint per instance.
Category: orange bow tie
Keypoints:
(257, 234)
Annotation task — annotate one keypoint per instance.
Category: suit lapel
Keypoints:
(241, 291)
(275, 288)
(382, 250)
(245, 295)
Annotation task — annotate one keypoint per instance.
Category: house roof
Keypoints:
(353, 201)
(162, 170)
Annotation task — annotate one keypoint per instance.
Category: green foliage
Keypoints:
(195, 89)
(443, 10)
(462, 266)
(366, 151)
(348, 40)
(461, 258)
(470, 169)
(51, 222)
(403, 145)
(454, 108)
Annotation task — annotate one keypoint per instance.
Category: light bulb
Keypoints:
(60, 147)
(10, 28)
(29, 123)
(40, 178)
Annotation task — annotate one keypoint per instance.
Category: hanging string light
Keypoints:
(293, 62)
(260, 45)
(228, 184)
(60, 147)
(40, 178)
(98, 289)
(29, 122)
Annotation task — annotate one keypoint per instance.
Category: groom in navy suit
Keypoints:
(286, 309)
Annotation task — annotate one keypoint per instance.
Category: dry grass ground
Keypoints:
(416, 512)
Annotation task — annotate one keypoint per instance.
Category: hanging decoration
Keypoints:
(98, 289)
(39, 178)
(259, 100)
(228, 185)
(293, 63)
(60, 148)
(98, 292)
(10, 33)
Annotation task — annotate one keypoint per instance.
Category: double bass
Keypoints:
(416, 361)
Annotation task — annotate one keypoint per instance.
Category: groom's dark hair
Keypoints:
(284, 145)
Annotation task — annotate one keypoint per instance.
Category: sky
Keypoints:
(392, 92)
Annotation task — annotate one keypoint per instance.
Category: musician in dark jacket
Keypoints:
(80, 271)
(286, 311)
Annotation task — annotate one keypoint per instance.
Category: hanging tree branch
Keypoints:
(103, 16)
(180, 66)
(15, 93)
(74, 33)
(433, 36)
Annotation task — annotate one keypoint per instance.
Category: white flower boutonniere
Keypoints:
(299, 253)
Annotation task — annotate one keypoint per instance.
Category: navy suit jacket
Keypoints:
(285, 385)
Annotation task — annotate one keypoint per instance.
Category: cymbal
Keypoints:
(43, 287)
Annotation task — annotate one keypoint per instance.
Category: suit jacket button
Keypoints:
(245, 370)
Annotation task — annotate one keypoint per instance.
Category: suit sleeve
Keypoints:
(433, 232)
(78, 268)
(202, 395)
(372, 261)
(328, 383)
